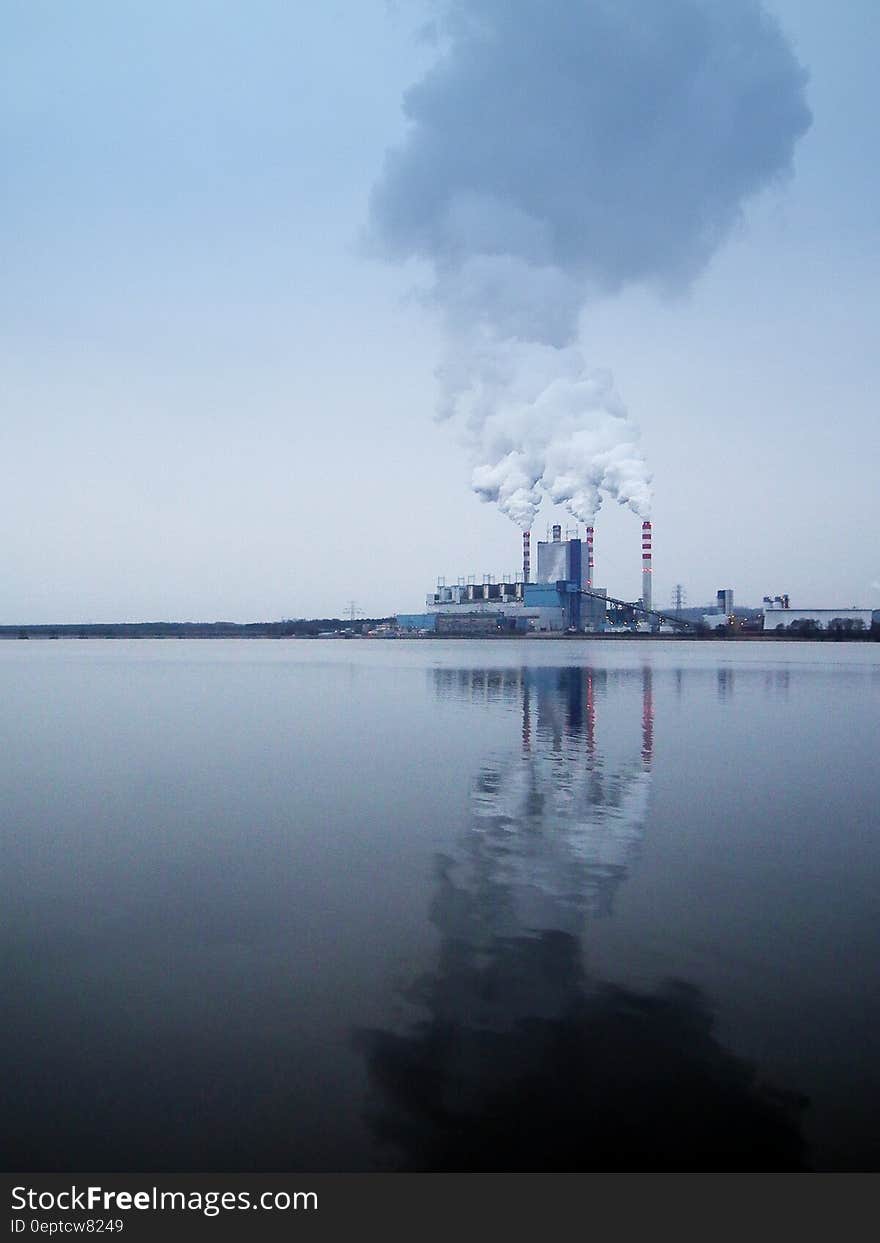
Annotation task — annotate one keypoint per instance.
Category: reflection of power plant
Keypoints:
(562, 821)
(520, 1061)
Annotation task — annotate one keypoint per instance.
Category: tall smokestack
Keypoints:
(590, 562)
(527, 555)
(646, 564)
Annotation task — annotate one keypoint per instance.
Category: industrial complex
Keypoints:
(562, 596)
(557, 594)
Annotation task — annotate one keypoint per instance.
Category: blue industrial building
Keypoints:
(555, 601)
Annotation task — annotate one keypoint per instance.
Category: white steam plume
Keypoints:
(559, 150)
(540, 422)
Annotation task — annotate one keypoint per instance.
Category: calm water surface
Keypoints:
(439, 905)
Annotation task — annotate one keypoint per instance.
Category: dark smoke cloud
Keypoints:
(559, 150)
(615, 140)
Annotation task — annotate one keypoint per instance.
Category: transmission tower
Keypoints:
(352, 611)
(679, 598)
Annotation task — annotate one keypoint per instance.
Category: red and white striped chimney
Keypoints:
(646, 564)
(590, 562)
(527, 555)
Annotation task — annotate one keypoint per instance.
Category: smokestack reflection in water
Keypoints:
(520, 1060)
(647, 717)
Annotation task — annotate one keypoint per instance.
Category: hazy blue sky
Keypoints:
(217, 404)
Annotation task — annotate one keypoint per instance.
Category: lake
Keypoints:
(365, 905)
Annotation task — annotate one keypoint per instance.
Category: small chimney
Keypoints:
(557, 533)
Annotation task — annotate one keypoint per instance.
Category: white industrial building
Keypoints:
(504, 599)
(722, 615)
(777, 617)
(559, 598)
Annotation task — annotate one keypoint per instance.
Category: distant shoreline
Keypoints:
(310, 630)
(288, 629)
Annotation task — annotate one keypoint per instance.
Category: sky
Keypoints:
(219, 383)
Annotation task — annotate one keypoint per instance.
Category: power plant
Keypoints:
(561, 596)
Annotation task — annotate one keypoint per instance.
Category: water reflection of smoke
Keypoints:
(521, 1061)
(559, 823)
(616, 1080)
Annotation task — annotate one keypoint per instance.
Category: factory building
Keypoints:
(722, 615)
(552, 601)
(779, 616)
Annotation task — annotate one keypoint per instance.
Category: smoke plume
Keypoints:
(558, 151)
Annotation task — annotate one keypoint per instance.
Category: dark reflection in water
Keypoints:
(558, 824)
(581, 917)
(521, 1060)
(725, 683)
(777, 681)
